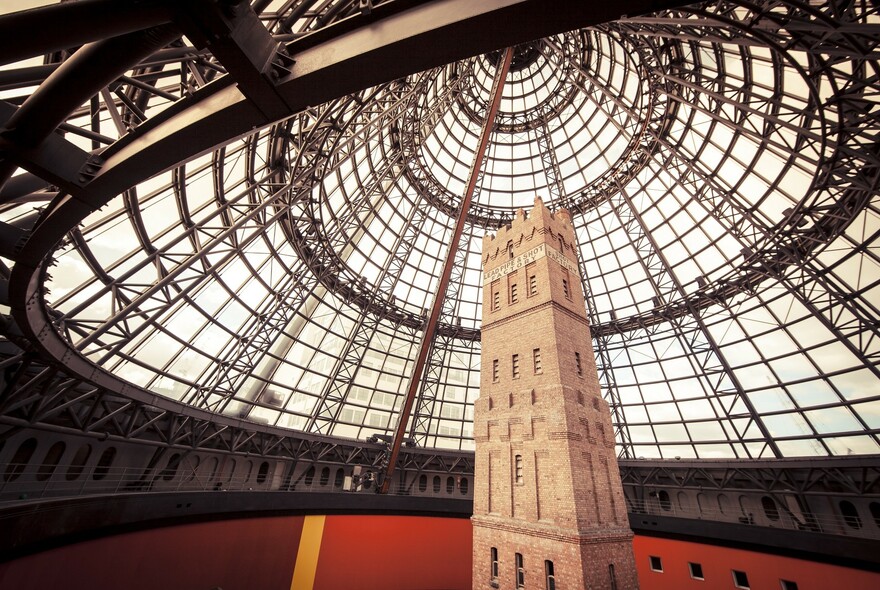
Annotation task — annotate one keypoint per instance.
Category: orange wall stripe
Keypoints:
(307, 554)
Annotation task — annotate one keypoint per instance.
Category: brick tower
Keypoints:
(549, 510)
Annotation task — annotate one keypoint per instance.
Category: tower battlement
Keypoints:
(523, 229)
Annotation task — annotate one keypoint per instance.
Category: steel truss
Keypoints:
(242, 74)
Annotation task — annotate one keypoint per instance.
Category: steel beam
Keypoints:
(437, 308)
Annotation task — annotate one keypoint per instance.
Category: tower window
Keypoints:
(520, 572)
(493, 561)
(532, 280)
(549, 575)
(577, 364)
(496, 295)
(696, 570)
(510, 249)
(495, 371)
(514, 296)
(518, 469)
(536, 360)
(740, 580)
(612, 577)
(515, 366)
(566, 288)
(656, 563)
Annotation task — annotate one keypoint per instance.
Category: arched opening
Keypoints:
(50, 461)
(105, 461)
(263, 471)
(663, 499)
(771, 511)
(850, 515)
(325, 476)
(20, 459)
(79, 462)
(171, 468)
(423, 482)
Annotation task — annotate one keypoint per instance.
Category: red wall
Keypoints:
(387, 552)
(764, 570)
(364, 552)
(250, 554)
(394, 552)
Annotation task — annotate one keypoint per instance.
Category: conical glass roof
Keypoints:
(720, 163)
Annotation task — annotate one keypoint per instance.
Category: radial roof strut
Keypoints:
(428, 334)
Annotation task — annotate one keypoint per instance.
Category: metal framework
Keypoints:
(231, 237)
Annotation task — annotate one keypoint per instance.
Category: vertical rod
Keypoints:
(433, 318)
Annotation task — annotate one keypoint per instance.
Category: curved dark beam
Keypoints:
(385, 46)
(66, 25)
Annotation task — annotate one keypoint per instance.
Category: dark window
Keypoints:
(515, 366)
(493, 568)
(696, 570)
(740, 580)
(263, 471)
(495, 370)
(875, 513)
(423, 482)
(105, 461)
(20, 459)
(463, 486)
(788, 585)
(770, 509)
(663, 498)
(212, 467)
(450, 484)
(518, 469)
(577, 363)
(612, 576)
(656, 563)
(549, 575)
(533, 285)
(340, 479)
(510, 249)
(436, 484)
(520, 572)
(514, 296)
(536, 360)
(309, 476)
(79, 462)
(171, 467)
(496, 300)
(565, 289)
(50, 461)
(325, 476)
(850, 514)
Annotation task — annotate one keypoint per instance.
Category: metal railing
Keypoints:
(782, 518)
(21, 483)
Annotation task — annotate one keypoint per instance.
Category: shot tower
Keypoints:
(549, 510)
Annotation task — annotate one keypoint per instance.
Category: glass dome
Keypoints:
(720, 163)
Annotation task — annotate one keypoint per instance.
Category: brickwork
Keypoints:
(547, 485)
